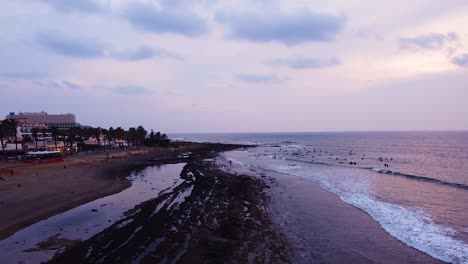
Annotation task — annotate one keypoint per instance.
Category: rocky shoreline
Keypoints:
(213, 216)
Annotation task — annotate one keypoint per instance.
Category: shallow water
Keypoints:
(429, 218)
(84, 221)
(420, 197)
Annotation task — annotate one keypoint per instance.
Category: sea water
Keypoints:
(415, 184)
(84, 221)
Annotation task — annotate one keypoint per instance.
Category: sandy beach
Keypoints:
(218, 213)
(211, 217)
(36, 191)
(324, 229)
(319, 227)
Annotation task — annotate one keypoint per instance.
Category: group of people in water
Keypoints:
(385, 164)
(317, 152)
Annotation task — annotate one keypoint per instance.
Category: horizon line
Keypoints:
(322, 131)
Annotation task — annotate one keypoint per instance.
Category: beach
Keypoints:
(38, 191)
(211, 217)
(224, 214)
(327, 230)
(215, 211)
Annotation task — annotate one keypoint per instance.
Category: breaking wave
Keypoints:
(420, 178)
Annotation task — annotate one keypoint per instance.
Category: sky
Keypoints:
(239, 66)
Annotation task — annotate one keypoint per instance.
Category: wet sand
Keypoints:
(211, 217)
(216, 215)
(26, 198)
(323, 229)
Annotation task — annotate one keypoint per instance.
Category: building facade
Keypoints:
(60, 121)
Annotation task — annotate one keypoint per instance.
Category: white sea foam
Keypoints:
(380, 170)
(409, 225)
(235, 161)
(414, 228)
(294, 146)
(287, 168)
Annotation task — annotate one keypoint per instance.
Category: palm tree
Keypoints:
(55, 133)
(132, 135)
(141, 134)
(74, 134)
(3, 133)
(35, 134)
(158, 138)
(165, 140)
(96, 132)
(119, 133)
(105, 133)
(12, 127)
(79, 143)
(71, 138)
(27, 139)
(151, 139)
(111, 135)
(44, 133)
(87, 132)
(79, 132)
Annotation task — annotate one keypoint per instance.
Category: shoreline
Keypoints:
(210, 216)
(323, 228)
(35, 192)
(246, 216)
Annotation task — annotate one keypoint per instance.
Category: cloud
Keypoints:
(165, 19)
(89, 49)
(73, 47)
(142, 53)
(262, 79)
(306, 63)
(429, 41)
(71, 85)
(75, 5)
(461, 60)
(59, 84)
(287, 28)
(131, 90)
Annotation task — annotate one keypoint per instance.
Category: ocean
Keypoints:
(414, 184)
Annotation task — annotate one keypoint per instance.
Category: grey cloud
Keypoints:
(131, 90)
(287, 28)
(58, 84)
(71, 85)
(75, 5)
(86, 48)
(73, 47)
(307, 63)
(142, 53)
(165, 19)
(429, 41)
(262, 79)
(461, 60)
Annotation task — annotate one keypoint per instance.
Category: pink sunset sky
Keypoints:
(239, 66)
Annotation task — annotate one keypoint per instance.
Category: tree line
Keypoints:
(76, 136)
